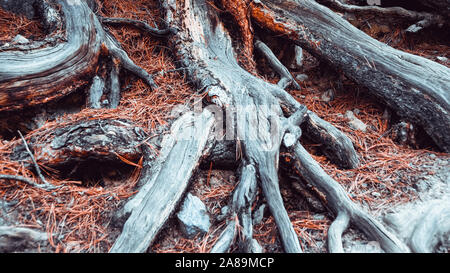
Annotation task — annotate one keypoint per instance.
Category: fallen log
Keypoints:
(101, 139)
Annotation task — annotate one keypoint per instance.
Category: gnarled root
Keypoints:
(57, 68)
(340, 204)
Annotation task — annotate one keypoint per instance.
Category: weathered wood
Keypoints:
(16, 239)
(416, 88)
(50, 18)
(335, 231)
(143, 26)
(156, 201)
(431, 229)
(283, 72)
(42, 74)
(225, 240)
(422, 19)
(100, 139)
(96, 92)
(47, 187)
(337, 149)
(24, 7)
(203, 45)
(240, 213)
(341, 205)
(114, 86)
(258, 114)
(425, 224)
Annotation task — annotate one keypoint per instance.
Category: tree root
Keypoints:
(423, 225)
(260, 141)
(401, 80)
(262, 118)
(423, 19)
(147, 212)
(286, 77)
(100, 139)
(263, 129)
(340, 204)
(143, 26)
(14, 239)
(240, 216)
(47, 78)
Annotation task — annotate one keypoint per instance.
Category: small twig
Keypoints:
(139, 25)
(125, 61)
(46, 185)
(36, 166)
(27, 181)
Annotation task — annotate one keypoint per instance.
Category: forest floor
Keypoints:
(77, 218)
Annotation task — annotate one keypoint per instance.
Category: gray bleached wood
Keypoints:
(203, 45)
(415, 87)
(156, 201)
(340, 204)
(33, 74)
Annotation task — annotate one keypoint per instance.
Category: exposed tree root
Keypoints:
(345, 210)
(14, 238)
(239, 229)
(261, 119)
(56, 69)
(286, 77)
(27, 181)
(424, 225)
(401, 80)
(100, 139)
(260, 147)
(423, 19)
(143, 26)
(147, 212)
